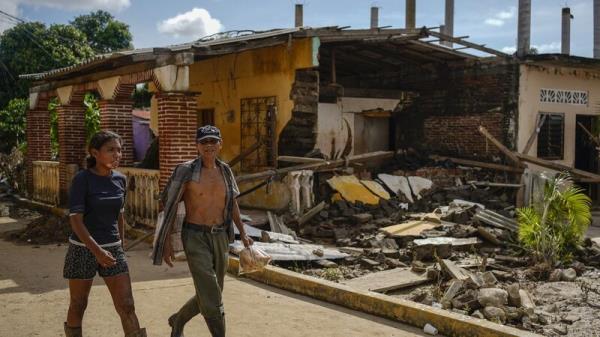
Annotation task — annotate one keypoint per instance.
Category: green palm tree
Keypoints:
(554, 227)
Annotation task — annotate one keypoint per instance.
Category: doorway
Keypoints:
(586, 155)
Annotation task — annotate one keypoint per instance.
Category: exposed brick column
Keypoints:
(38, 138)
(71, 140)
(115, 115)
(177, 115)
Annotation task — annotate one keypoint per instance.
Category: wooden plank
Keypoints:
(310, 214)
(589, 134)
(486, 234)
(388, 280)
(245, 153)
(366, 157)
(559, 167)
(468, 162)
(536, 131)
(411, 228)
(453, 270)
(467, 44)
(292, 159)
(500, 146)
(491, 184)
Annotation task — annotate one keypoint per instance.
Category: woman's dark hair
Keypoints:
(98, 139)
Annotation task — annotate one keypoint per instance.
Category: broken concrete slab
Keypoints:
(397, 184)
(494, 314)
(352, 190)
(453, 270)
(495, 297)
(443, 240)
(451, 292)
(467, 300)
(514, 298)
(527, 302)
(419, 185)
(388, 280)
(376, 189)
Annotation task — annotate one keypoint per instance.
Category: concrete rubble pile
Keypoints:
(446, 238)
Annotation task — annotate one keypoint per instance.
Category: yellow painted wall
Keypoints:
(534, 78)
(224, 81)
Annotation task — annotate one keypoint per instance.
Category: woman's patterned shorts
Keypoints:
(81, 264)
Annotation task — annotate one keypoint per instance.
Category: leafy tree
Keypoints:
(92, 116)
(141, 96)
(12, 124)
(31, 48)
(54, 148)
(554, 227)
(104, 33)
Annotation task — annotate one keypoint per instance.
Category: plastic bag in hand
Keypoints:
(253, 259)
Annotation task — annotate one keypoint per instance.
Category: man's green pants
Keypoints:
(207, 256)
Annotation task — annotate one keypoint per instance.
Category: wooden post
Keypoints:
(539, 122)
(501, 147)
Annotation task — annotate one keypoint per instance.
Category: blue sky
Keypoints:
(158, 23)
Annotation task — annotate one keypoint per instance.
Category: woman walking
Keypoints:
(96, 204)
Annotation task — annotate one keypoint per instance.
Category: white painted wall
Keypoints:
(370, 134)
(534, 78)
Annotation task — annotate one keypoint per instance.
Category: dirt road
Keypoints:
(34, 299)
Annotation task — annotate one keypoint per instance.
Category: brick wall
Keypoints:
(444, 117)
(177, 113)
(299, 135)
(115, 115)
(71, 140)
(38, 139)
(459, 134)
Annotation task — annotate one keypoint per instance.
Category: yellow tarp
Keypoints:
(352, 190)
(374, 187)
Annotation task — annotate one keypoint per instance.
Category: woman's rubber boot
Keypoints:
(216, 326)
(72, 332)
(139, 333)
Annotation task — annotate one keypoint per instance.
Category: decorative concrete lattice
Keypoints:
(574, 97)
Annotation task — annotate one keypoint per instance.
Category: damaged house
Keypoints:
(329, 92)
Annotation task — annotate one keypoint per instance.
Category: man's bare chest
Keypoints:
(210, 185)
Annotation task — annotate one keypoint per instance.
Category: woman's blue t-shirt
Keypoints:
(100, 200)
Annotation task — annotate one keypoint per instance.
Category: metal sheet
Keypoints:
(291, 252)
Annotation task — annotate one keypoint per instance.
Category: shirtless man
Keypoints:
(208, 190)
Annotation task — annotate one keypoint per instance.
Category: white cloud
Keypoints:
(194, 24)
(500, 18)
(494, 22)
(552, 47)
(509, 50)
(548, 47)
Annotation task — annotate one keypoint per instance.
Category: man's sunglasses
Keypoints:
(211, 141)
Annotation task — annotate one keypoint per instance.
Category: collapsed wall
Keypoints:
(452, 103)
(299, 135)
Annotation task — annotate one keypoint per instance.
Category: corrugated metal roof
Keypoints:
(208, 41)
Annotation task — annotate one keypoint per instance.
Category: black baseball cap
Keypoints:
(208, 131)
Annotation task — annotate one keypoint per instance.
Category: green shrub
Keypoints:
(553, 227)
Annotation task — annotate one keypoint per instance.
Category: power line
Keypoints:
(31, 36)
